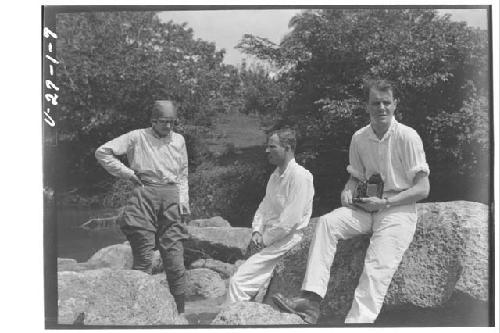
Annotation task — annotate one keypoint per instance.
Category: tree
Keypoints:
(113, 66)
(440, 67)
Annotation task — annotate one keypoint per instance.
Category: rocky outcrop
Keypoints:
(118, 256)
(114, 297)
(251, 313)
(216, 221)
(224, 244)
(68, 264)
(225, 270)
(204, 283)
(449, 253)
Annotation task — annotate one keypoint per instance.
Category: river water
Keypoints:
(76, 242)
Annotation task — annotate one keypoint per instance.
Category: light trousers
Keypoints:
(392, 232)
(256, 271)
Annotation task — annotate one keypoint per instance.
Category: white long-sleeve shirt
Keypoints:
(287, 204)
(397, 157)
(156, 160)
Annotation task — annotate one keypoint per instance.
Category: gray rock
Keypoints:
(224, 244)
(119, 256)
(115, 297)
(251, 313)
(449, 253)
(68, 264)
(225, 270)
(204, 283)
(215, 221)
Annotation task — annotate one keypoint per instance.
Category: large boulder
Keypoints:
(224, 269)
(251, 313)
(119, 256)
(204, 283)
(449, 254)
(216, 222)
(114, 297)
(224, 244)
(69, 264)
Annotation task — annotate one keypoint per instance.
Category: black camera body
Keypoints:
(374, 187)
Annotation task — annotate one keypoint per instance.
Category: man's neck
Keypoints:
(380, 130)
(282, 166)
(159, 135)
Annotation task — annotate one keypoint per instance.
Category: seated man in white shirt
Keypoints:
(395, 152)
(280, 217)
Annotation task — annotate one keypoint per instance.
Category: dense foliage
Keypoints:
(441, 69)
(115, 64)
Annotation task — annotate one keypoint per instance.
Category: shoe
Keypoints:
(305, 308)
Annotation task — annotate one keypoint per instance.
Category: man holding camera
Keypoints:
(393, 153)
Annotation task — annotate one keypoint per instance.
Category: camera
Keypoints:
(374, 187)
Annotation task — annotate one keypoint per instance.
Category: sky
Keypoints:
(226, 27)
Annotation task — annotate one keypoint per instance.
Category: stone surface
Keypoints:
(215, 221)
(225, 270)
(204, 283)
(115, 297)
(68, 264)
(251, 313)
(449, 253)
(119, 256)
(224, 244)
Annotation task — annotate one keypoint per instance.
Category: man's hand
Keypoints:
(185, 209)
(136, 180)
(346, 198)
(257, 238)
(371, 204)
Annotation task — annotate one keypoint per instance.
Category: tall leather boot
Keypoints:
(179, 300)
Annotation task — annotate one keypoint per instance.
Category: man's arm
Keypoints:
(258, 220)
(300, 194)
(419, 191)
(348, 193)
(105, 155)
(183, 181)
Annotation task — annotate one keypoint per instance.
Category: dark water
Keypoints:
(80, 244)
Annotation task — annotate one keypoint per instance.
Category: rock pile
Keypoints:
(448, 257)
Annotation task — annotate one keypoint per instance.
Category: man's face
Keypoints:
(275, 151)
(381, 107)
(164, 121)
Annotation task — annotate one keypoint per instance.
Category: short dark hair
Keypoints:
(380, 85)
(287, 137)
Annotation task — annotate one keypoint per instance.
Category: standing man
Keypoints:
(394, 151)
(280, 218)
(152, 217)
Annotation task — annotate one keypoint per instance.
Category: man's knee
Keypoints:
(330, 221)
(141, 243)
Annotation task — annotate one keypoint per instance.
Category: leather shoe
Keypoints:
(305, 308)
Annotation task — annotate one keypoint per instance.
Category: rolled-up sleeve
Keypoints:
(105, 155)
(414, 161)
(355, 167)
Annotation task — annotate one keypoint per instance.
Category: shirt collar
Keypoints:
(290, 165)
(153, 133)
(392, 128)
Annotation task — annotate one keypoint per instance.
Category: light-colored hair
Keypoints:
(160, 105)
(380, 85)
